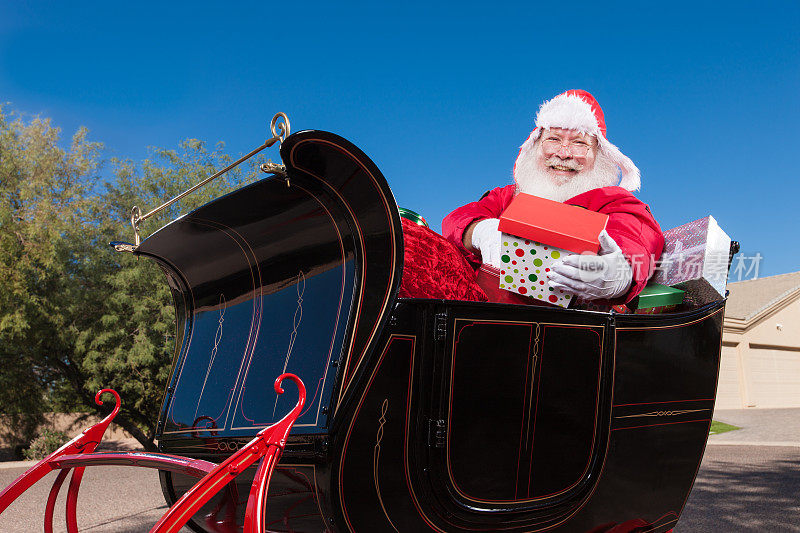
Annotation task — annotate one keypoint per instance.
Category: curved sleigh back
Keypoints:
(284, 275)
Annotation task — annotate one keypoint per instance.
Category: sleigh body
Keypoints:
(422, 415)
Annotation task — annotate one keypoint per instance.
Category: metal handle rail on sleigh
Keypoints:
(79, 452)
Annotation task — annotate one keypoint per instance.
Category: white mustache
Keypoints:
(569, 163)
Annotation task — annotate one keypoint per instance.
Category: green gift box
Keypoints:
(657, 298)
(413, 216)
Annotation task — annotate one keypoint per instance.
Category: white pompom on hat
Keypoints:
(578, 110)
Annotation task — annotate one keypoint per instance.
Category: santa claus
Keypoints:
(568, 158)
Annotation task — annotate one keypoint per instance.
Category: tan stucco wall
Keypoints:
(760, 366)
(765, 331)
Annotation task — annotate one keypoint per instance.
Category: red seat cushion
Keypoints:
(434, 268)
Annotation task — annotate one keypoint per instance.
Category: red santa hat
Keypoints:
(578, 110)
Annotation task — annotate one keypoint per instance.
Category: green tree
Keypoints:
(44, 196)
(131, 347)
(75, 315)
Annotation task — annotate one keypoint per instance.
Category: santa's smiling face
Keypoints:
(564, 154)
(564, 163)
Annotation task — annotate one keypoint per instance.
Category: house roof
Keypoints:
(748, 298)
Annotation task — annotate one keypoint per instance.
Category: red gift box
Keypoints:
(559, 225)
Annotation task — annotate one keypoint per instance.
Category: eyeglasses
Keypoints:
(577, 147)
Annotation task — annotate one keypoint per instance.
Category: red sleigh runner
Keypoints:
(78, 454)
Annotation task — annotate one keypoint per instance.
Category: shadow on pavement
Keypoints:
(745, 489)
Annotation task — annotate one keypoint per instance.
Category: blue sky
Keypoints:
(702, 96)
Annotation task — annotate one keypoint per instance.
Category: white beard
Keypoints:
(532, 179)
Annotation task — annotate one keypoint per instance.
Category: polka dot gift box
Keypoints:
(537, 233)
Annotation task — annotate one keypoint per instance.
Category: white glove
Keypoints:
(592, 277)
(486, 238)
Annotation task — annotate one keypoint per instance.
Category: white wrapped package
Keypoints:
(695, 259)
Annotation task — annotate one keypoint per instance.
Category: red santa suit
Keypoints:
(630, 224)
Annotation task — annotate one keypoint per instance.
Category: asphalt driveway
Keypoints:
(111, 499)
(745, 488)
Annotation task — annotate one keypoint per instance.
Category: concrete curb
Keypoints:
(17, 464)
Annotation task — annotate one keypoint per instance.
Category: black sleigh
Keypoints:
(421, 415)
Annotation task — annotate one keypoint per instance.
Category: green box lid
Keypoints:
(657, 295)
(413, 216)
